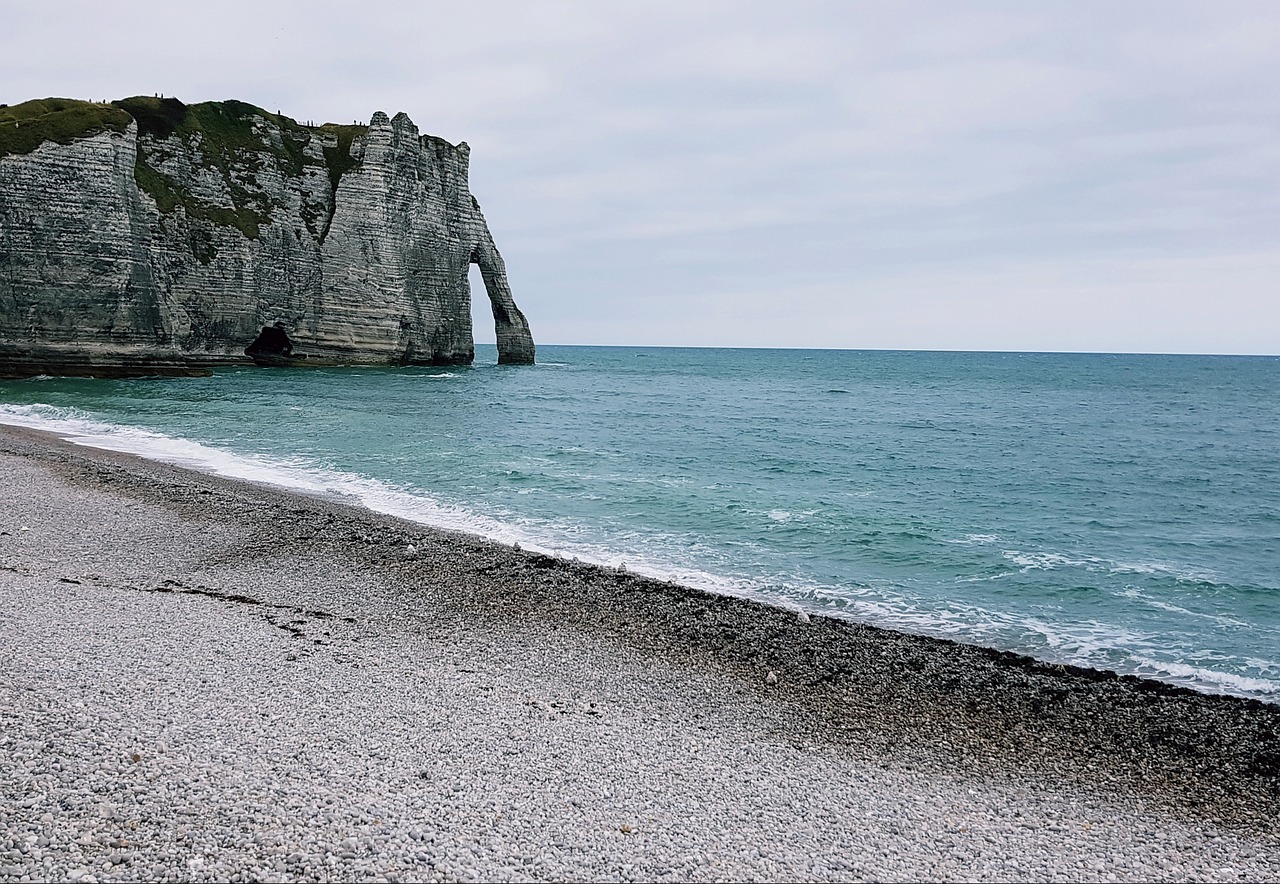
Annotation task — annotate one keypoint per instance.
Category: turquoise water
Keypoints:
(1120, 512)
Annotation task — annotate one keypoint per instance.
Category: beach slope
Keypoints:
(208, 680)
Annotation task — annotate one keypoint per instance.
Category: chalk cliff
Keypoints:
(147, 235)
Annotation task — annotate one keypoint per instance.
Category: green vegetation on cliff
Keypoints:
(232, 138)
(230, 135)
(26, 126)
(236, 139)
(338, 157)
(226, 138)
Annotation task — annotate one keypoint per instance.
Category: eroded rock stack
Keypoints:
(151, 236)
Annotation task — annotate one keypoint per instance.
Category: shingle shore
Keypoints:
(207, 680)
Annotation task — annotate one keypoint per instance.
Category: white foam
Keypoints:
(1180, 573)
(1210, 680)
(298, 474)
(974, 539)
(294, 474)
(1044, 561)
(1091, 643)
(1145, 599)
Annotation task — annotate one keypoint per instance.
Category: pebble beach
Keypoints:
(202, 679)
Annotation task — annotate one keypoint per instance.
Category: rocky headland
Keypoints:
(147, 236)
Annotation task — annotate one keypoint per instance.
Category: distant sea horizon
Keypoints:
(955, 350)
(1113, 510)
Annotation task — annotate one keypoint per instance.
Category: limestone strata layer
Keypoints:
(168, 247)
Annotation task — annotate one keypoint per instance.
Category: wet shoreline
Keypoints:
(326, 577)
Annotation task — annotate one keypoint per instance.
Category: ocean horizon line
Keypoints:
(902, 350)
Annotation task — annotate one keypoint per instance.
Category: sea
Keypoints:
(1120, 512)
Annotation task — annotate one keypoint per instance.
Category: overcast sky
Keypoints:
(941, 175)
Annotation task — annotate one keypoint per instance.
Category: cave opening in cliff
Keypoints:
(272, 346)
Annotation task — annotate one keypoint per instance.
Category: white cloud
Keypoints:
(1088, 176)
(1216, 304)
(973, 96)
(767, 57)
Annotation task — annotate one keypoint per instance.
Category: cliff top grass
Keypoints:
(229, 136)
(227, 128)
(26, 126)
(230, 140)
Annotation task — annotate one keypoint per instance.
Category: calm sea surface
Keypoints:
(1121, 512)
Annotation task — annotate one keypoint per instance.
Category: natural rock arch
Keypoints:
(515, 343)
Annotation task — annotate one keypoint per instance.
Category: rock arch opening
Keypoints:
(511, 329)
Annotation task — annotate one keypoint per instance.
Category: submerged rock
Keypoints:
(148, 236)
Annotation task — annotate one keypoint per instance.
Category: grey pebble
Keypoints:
(466, 743)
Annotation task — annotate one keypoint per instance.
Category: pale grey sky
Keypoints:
(1012, 176)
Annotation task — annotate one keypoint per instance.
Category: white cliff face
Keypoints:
(404, 233)
(360, 254)
(74, 257)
